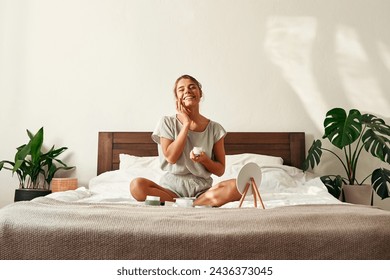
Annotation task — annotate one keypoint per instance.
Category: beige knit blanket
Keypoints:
(48, 229)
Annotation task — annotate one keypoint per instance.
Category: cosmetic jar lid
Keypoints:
(153, 198)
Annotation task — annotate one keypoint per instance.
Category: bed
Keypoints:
(102, 221)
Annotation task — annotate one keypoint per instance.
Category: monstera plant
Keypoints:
(353, 133)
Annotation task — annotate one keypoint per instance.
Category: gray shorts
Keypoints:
(187, 185)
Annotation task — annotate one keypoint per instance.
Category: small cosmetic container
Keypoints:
(197, 151)
(185, 201)
(152, 200)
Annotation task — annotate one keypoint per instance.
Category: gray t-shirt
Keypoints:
(169, 127)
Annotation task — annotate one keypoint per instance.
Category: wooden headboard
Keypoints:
(288, 145)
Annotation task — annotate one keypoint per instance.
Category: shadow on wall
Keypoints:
(357, 71)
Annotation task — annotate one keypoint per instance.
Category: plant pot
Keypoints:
(357, 194)
(28, 194)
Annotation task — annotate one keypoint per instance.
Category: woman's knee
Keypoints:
(227, 191)
(138, 188)
(228, 186)
(222, 193)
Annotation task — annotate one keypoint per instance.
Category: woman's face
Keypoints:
(188, 92)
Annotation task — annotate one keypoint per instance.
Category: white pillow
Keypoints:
(234, 163)
(129, 161)
(261, 160)
(117, 182)
(111, 182)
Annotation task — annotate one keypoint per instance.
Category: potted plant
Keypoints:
(34, 167)
(352, 133)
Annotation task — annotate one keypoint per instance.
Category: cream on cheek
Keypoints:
(179, 97)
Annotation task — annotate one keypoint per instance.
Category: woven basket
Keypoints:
(63, 184)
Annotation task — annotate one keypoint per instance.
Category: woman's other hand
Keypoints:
(198, 158)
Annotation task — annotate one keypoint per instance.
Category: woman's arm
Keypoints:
(216, 166)
(172, 149)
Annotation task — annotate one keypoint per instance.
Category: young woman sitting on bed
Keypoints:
(188, 175)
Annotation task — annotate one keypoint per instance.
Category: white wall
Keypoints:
(77, 67)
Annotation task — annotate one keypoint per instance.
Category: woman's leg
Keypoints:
(218, 195)
(142, 187)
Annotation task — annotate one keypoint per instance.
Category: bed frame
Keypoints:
(288, 145)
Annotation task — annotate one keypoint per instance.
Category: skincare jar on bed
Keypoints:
(152, 200)
(184, 201)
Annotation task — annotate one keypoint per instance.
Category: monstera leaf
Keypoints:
(342, 129)
(313, 155)
(333, 185)
(374, 139)
(379, 179)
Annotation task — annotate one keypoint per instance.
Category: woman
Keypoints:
(188, 175)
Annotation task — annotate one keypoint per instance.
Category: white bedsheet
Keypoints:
(281, 185)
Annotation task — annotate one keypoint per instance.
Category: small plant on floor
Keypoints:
(34, 167)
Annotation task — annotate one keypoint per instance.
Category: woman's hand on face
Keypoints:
(182, 111)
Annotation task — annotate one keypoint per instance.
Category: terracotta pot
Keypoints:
(358, 194)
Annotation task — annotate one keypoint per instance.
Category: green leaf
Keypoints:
(53, 153)
(30, 135)
(23, 152)
(6, 167)
(314, 155)
(36, 145)
(376, 124)
(377, 145)
(342, 129)
(374, 139)
(60, 162)
(379, 181)
(18, 164)
(333, 185)
(50, 173)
